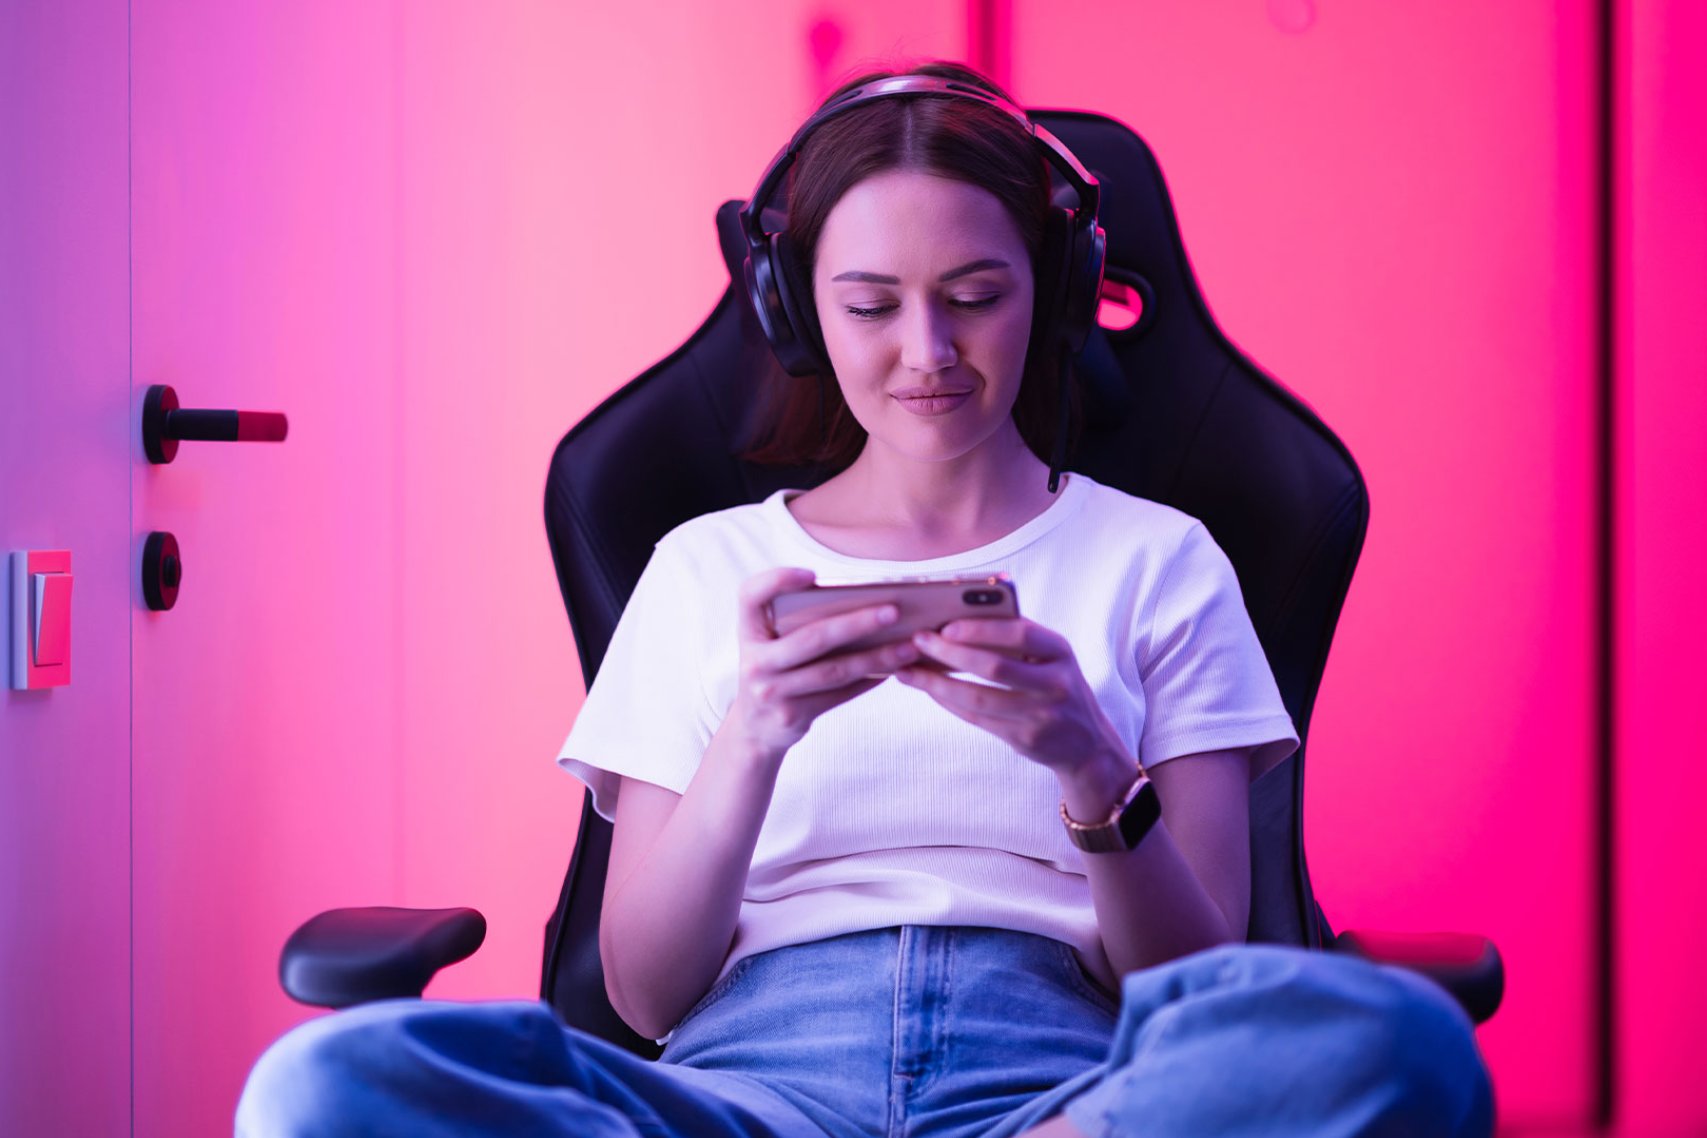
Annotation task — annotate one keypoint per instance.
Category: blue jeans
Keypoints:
(927, 1032)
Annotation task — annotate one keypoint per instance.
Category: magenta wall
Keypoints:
(1660, 441)
(1390, 207)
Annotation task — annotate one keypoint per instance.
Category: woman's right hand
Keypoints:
(785, 682)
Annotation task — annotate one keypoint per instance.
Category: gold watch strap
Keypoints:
(1104, 836)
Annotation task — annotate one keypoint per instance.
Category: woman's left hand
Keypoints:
(1047, 711)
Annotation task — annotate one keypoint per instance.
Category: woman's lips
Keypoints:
(935, 403)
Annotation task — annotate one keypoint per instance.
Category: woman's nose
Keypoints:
(928, 344)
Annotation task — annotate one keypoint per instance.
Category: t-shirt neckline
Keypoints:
(1073, 488)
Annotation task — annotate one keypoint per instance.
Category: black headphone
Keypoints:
(1072, 238)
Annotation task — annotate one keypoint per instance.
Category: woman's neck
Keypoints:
(958, 503)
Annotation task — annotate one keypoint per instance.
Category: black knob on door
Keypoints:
(164, 423)
(162, 571)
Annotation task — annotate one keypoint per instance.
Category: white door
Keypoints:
(433, 236)
(266, 707)
(416, 230)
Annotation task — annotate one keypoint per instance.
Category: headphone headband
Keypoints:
(1074, 244)
(1084, 183)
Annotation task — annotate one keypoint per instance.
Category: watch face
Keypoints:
(1140, 815)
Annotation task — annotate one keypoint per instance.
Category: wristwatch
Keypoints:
(1126, 825)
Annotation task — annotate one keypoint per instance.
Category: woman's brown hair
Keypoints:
(806, 422)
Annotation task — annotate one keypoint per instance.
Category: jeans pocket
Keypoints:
(1082, 982)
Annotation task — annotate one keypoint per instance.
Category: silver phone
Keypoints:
(922, 602)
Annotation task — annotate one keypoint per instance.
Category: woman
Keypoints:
(923, 888)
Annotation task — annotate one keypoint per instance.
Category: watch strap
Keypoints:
(1126, 825)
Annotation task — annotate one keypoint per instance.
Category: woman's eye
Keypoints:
(884, 310)
(869, 313)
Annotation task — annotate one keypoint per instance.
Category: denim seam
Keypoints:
(943, 1001)
(893, 1104)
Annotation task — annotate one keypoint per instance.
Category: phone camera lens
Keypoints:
(981, 597)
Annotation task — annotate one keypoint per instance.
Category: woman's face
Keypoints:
(924, 293)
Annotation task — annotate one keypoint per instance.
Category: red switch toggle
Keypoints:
(41, 619)
(50, 624)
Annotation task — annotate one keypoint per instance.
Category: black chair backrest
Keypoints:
(1174, 413)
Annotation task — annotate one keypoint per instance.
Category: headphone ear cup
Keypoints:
(764, 296)
(795, 292)
(1082, 287)
(772, 287)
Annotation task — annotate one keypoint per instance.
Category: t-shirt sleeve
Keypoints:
(646, 716)
(1207, 683)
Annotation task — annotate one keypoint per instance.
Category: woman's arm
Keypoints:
(1187, 884)
(678, 863)
(678, 866)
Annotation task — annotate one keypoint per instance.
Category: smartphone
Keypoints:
(923, 603)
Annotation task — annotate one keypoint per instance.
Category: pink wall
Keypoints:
(1389, 207)
(65, 426)
(544, 259)
(1661, 414)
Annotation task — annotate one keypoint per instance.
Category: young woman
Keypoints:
(989, 881)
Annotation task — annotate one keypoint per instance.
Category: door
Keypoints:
(266, 700)
(412, 228)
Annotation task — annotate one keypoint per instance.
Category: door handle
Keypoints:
(164, 423)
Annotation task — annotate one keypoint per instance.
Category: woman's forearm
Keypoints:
(666, 930)
(668, 924)
(1151, 906)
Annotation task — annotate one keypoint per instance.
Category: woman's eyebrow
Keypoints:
(879, 278)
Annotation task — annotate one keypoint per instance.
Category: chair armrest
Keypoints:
(351, 956)
(1465, 964)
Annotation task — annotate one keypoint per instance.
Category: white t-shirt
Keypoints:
(891, 810)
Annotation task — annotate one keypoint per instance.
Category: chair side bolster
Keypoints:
(352, 956)
(1466, 964)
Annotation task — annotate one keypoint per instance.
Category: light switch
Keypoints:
(41, 619)
(50, 624)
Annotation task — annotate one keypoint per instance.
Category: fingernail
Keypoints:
(888, 614)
